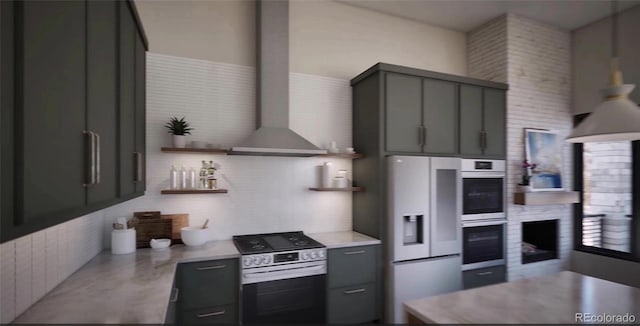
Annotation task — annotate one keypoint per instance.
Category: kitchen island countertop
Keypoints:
(560, 298)
(135, 288)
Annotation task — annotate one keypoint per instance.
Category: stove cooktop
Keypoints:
(274, 242)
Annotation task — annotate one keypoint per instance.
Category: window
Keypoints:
(607, 221)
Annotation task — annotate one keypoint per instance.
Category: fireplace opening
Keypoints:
(539, 241)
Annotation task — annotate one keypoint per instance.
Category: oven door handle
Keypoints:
(281, 274)
(467, 224)
(484, 174)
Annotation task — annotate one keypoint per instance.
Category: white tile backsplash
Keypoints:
(266, 194)
(34, 264)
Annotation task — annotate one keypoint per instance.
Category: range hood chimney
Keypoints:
(273, 136)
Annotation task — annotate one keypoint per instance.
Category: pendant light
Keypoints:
(616, 118)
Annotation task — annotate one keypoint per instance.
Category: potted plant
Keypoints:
(179, 128)
(524, 185)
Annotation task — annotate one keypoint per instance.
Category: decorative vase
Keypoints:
(523, 188)
(179, 141)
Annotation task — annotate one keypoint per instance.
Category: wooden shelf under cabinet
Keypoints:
(546, 197)
(351, 189)
(193, 191)
(194, 150)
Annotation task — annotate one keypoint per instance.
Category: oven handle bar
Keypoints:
(280, 274)
(466, 224)
(484, 174)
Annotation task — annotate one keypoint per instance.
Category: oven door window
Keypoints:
(482, 243)
(482, 195)
(295, 300)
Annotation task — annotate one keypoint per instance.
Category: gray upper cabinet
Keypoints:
(482, 122)
(50, 109)
(495, 123)
(128, 155)
(102, 105)
(140, 113)
(61, 70)
(403, 113)
(440, 117)
(406, 111)
(132, 106)
(470, 120)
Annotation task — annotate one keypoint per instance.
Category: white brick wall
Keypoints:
(536, 63)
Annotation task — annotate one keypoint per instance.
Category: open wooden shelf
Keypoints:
(546, 197)
(342, 155)
(193, 191)
(351, 189)
(195, 150)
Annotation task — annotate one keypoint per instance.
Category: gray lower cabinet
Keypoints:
(353, 285)
(482, 122)
(484, 276)
(208, 292)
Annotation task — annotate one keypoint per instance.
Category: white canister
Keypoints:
(340, 182)
(123, 241)
(326, 175)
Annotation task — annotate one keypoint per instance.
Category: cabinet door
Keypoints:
(140, 130)
(494, 122)
(50, 109)
(102, 65)
(440, 117)
(127, 44)
(208, 283)
(403, 113)
(470, 120)
(342, 264)
(352, 304)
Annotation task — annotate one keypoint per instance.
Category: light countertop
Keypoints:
(135, 288)
(554, 299)
(343, 239)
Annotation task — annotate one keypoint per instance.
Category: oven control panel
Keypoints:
(287, 257)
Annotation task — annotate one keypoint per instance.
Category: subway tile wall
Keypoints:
(33, 265)
(535, 62)
(266, 194)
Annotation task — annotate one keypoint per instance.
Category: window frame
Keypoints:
(578, 208)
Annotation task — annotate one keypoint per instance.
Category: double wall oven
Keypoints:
(483, 213)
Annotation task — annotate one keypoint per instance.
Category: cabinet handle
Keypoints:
(92, 158)
(354, 291)
(210, 268)
(354, 252)
(419, 135)
(174, 297)
(484, 139)
(137, 156)
(484, 273)
(424, 136)
(97, 164)
(211, 314)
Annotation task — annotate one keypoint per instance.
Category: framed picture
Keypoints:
(544, 148)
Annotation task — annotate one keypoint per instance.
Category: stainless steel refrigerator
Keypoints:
(424, 247)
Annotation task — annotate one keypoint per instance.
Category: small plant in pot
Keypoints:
(526, 177)
(179, 128)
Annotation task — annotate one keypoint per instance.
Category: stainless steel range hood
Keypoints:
(273, 136)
